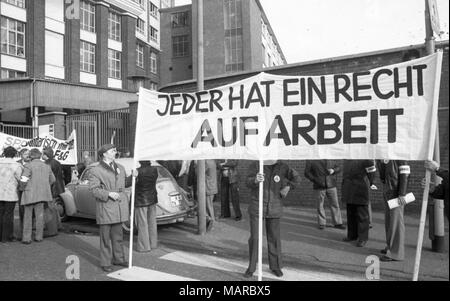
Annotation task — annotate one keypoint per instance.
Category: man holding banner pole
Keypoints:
(278, 179)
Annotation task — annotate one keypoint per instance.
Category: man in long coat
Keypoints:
(394, 175)
(358, 176)
(38, 178)
(107, 182)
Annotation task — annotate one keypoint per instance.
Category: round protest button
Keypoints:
(276, 179)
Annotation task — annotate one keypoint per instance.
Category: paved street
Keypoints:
(221, 255)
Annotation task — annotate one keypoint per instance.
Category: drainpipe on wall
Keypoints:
(33, 114)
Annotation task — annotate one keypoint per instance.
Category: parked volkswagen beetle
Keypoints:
(174, 204)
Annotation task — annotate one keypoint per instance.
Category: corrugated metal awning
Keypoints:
(16, 95)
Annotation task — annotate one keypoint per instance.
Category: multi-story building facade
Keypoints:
(237, 37)
(76, 56)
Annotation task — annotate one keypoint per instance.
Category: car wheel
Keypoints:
(59, 203)
(126, 227)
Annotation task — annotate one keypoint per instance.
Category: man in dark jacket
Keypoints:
(358, 176)
(394, 175)
(278, 179)
(107, 182)
(229, 188)
(323, 175)
(145, 203)
(57, 187)
(441, 191)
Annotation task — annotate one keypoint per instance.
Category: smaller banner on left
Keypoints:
(65, 151)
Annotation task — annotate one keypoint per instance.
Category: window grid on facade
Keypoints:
(12, 36)
(233, 35)
(153, 86)
(180, 46)
(114, 26)
(153, 34)
(140, 26)
(153, 10)
(114, 63)
(140, 2)
(7, 73)
(87, 57)
(180, 19)
(18, 3)
(140, 55)
(153, 63)
(87, 16)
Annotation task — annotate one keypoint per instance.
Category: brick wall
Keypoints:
(35, 39)
(101, 48)
(303, 195)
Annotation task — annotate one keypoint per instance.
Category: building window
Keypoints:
(153, 10)
(153, 63)
(12, 37)
(180, 19)
(114, 64)
(114, 26)
(153, 34)
(87, 57)
(233, 35)
(140, 2)
(140, 26)
(19, 3)
(233, 54)
(7, 73)
(153, 86)
(263, 56)
(87, 16)
(140, 55)
(232, 14)
(180, 46)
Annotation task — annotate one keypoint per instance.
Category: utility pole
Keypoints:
(436, 220)
(430, 48)
(201, 188)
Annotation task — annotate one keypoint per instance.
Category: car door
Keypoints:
(84, 199)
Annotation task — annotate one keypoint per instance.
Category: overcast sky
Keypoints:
(316, 29)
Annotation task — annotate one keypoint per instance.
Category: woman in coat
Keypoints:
(145, 203)
(278, 179)
(38, 178)
(357, 179)
(10, 172)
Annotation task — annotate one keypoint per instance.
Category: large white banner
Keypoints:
(384, 113)
(65, 151)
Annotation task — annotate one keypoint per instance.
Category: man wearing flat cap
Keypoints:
(107, 182)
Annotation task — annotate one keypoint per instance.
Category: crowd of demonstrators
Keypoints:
(229, 189)
(358, 177)
(322, 173)
(145, 206)
(278, 179)
(107, 182)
